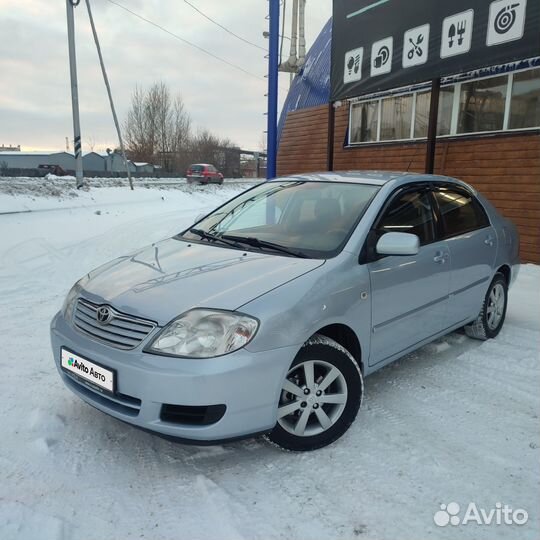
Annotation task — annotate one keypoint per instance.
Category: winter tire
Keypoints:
(491, 318)
(320, 398)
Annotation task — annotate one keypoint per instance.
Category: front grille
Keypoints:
(122, 331)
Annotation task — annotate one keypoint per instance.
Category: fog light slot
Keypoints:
(192, 416)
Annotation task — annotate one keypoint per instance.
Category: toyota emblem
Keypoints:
(104, 315)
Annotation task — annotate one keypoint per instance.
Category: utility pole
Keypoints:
(70, 7)
(273, 64)
(109, 93)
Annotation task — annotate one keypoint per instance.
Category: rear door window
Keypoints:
(460, 212)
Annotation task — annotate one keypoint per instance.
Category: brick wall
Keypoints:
(504, 167)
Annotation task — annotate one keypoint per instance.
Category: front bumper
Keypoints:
(247, 383)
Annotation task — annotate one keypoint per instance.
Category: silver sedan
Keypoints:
(266, 315)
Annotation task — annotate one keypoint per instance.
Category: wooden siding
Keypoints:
(304, 140)
(505, 168)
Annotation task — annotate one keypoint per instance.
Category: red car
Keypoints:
(203, 174)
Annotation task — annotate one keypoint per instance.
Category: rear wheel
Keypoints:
(491, 318)
(320, 396)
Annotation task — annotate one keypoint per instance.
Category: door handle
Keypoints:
(440, 257)
(489, 241)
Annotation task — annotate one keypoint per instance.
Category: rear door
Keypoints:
(472, 242)
(409, 294)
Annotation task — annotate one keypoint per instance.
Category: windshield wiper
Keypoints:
(255, 242)
(213, 237)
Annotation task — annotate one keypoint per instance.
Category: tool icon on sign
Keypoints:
(505, 19)
(416, 47)
(456, 33)
(382, 57)
(353, 64)
(453, 32)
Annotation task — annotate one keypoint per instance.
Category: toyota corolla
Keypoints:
(266, 315)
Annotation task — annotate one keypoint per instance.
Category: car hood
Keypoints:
(168, 278)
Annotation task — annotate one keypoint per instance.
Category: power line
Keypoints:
(224, 27)
(235, 66)
(109, 92)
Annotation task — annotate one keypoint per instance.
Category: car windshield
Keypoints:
(287, 217)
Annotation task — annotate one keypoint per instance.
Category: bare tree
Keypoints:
(158, 130)
(138, 134)
(158, 126)
(91, 142)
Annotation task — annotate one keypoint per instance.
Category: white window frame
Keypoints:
(454, 115)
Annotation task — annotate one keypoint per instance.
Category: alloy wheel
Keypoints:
(313, 398)
(495, 306)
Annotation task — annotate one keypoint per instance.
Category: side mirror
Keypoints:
(199, 217)
(398, 243)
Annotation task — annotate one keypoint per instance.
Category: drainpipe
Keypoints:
(301, 34)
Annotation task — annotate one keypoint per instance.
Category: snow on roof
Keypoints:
(33, 153)
(139, 163)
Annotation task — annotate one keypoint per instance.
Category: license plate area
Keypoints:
(95, 375)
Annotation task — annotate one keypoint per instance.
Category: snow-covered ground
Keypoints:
(46, 193)
(456, 421)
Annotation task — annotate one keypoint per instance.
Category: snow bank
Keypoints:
(55, 192)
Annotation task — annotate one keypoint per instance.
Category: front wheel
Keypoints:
(491, 318)
(320, 397)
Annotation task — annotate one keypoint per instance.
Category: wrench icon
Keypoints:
(416, 47)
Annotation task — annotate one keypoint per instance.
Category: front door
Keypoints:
(409, 294)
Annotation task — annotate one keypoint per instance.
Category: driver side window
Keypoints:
(410, 212)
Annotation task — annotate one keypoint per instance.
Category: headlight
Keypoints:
(203, 333)
(69, 302)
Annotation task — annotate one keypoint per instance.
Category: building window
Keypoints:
(396, 118)
(421, 116)
(364, 122)
(490, 104)
(525, 105)
(482, 105)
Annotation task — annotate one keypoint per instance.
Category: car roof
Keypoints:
(377, 178)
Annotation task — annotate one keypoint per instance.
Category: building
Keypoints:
(143, 168)
(32, 160)
(4, 148)
(488, 132)
(93, 162)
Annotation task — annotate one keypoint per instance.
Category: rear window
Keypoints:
(461, 212)
(197, 168)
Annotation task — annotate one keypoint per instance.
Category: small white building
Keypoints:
(143, 168)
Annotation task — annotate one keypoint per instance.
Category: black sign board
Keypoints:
(383, 44)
